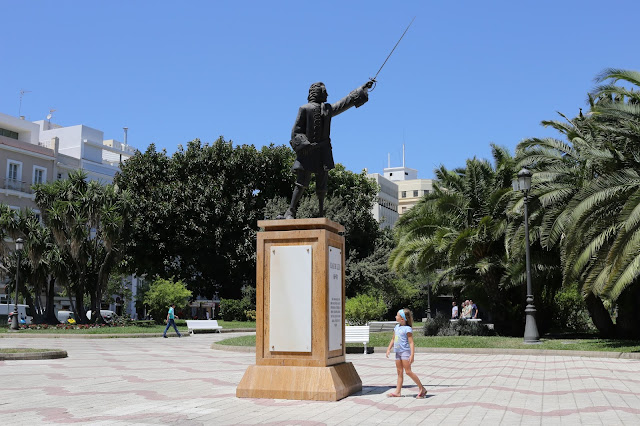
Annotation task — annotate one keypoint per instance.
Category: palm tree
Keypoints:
(561, 169)
(589, 194)
(87, 221)
(458, 232)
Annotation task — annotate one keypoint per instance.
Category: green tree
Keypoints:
(589, 192)
(87, 220)
(457, 232)
(162, 293)
(197, 211)
(363, 308)
(40, 263)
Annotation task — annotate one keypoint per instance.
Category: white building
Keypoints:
(42, 152)
(385, 209)
(400, 189)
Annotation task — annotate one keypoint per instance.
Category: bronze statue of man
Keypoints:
(310, 139)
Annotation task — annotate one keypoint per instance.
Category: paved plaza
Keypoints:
(155, 381)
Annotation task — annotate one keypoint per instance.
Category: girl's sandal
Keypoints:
(393, 395)
(422, 394)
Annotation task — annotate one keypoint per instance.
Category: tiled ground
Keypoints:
(183, 381)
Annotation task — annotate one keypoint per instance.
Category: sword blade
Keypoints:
(394, 48)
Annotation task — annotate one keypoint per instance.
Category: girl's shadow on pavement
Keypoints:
(408, 391)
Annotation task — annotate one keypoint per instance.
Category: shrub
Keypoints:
(441, 326)
(433, 325)
(571, 313)
(250, 314)
(234, 309)
(363, 308)
(163, 293)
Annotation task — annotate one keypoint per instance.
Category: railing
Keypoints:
(16, 185)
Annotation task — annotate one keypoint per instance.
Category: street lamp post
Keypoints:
(523, 183)
(14, 319)
(428, 300)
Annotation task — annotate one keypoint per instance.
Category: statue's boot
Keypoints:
(295, 199)
(321, 203)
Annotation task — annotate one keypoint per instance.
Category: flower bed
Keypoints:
(64, 326)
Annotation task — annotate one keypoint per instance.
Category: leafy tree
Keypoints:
(197, 211)
(162, 293)
(457, 232)
(87, 221)
(40, 263)
(588, 189)
(363, 308)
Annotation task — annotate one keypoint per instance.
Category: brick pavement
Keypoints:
(183, 381)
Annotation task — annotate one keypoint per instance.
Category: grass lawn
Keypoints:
(585, 344)
(131, 329)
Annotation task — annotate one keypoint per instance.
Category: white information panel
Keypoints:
(290, 282)
(335, 299)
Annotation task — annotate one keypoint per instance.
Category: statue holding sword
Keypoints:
(310, 137)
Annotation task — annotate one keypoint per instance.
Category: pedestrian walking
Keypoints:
(171, 321)
(402, 342)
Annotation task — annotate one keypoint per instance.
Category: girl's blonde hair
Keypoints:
(409, 316)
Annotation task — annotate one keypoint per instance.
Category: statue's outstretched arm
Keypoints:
(357, 98)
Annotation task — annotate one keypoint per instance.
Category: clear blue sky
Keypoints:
(467, 73)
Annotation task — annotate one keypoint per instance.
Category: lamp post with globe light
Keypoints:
(14, 319)
(523, 183)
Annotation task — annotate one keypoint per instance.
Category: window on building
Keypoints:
(426, 191)
(39, 175)
(14, 174)
(415, 193)
(404, 209)
(8, 133)
(404, 194)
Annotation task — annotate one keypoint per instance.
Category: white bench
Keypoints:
(357, 334)
(203, 325)
(382, 325)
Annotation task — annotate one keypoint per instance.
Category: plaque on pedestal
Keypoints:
(300, 350)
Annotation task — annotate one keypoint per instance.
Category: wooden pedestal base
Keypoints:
(304, 383)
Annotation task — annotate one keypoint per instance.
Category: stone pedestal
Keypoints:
(300, 349)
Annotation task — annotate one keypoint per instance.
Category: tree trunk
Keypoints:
(79, 307)
(49, 313)
(627, 323)
(600, 316)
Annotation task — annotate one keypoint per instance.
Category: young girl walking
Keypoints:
(402, 341)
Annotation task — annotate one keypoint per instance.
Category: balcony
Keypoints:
(16, 185)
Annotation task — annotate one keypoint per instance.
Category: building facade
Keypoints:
(400, 189)
(41, 152)
(385, 208)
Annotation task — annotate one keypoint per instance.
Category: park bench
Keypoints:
(203, 325)
(357, 334)
(382, 325)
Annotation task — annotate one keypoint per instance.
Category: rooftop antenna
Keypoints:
(403, 155)
(51, 111)
(22, 92)
(403, 148)
(389, 159)
(125, 135)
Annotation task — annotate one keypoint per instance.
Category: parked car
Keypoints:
(65, 316)
(22, 312)
(106, 315)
